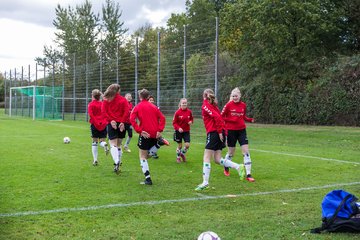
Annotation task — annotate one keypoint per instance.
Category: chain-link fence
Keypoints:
(169, 68)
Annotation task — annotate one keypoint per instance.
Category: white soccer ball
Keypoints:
(208, 236)
(66, 140)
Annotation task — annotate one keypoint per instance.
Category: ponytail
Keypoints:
(210, 96)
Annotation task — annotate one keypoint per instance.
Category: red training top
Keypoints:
(182, 118)
(211, 117)
(150, 117)
(96, 116)
(234, 115)
(117, 109)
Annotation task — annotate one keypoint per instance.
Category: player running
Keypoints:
(215, 140)
(234, 114)
(98, 125)
(149, 122)
(116, 110)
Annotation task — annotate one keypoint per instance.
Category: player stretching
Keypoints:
(149, 122)
(234, 114)
(98, 125)
(182, 120)
(215, 140)
(116, 110)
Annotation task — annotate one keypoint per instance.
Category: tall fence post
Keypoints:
(216, 55)
(184, 68)
(33, 98)
(10, 95)
(36, 77)
(22, 95)
(86, 87)
(15, 93)
(136, 69)
(101, 75)
(158, 71)
(53, 90)
(5, 91)
(74, 97)
(63, 89)
(117, 62)
(44, 87)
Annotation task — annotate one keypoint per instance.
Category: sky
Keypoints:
(26, 25)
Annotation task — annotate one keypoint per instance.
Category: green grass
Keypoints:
(71, 199)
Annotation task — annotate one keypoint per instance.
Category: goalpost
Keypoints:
(36, 102)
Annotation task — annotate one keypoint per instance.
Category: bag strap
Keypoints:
(332, 219)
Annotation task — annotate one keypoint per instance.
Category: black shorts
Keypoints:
(128, 129)
(237, 136)
(96, 133)
(213, 141)
(146, 143)
(178, 136)
(115, 133)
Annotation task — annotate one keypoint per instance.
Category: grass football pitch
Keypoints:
(50, 190)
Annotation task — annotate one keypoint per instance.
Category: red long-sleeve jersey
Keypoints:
(117, 109)
(150, 117)
(234, 115)
(130, 109)
(96, 116)
(211, 117)
(182, 118)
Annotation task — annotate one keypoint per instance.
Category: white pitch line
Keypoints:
(300, 155)
(305, 156)
(200, 198)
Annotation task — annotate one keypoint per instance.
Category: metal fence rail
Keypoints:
(183, 70)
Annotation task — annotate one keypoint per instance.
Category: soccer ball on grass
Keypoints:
(208, 236)
(66, 140)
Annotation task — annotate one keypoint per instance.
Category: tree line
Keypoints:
(296, 62)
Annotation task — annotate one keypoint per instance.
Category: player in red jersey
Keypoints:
(149, 122)
(215, 140)
(161, 141)
(98, 125)
(128, 127)
(116, 110)
(234, 114)
(182, 120)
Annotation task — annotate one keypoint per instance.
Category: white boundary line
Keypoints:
(200, 198)
(299, 155)
(305, 156)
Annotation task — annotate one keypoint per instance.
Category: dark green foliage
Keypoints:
(296, 62)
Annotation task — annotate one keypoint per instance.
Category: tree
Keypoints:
(280, 36)
(77, 31)
(112, 29)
